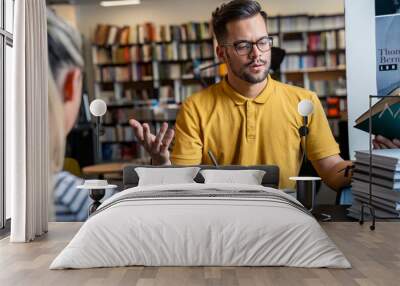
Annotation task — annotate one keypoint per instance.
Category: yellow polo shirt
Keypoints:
(243, 131)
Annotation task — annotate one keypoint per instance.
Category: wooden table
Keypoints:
(374, 255)
(115, 168)
(104, 169)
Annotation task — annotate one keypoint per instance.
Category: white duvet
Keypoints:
(188, 231)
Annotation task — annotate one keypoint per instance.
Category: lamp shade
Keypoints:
(305, 107)
(98, 107)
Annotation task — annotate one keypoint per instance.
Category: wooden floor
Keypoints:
(375, 256)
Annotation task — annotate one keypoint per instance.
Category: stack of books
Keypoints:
(385, 185)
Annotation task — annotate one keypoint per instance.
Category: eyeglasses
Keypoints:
(244, 48)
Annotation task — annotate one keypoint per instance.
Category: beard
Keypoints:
(244, 74)
(251, 78)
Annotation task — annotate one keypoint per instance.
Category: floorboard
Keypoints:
(374, 255)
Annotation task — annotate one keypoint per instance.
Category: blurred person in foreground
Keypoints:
(64, 91)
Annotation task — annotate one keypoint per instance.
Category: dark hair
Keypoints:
(232, 11)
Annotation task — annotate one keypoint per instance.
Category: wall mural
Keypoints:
(387, 21)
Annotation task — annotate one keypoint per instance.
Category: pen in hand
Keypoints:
(347, 170)
(212, 158)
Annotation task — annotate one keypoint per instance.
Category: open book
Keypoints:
(385, 117)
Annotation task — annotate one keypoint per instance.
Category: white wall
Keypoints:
(67, 12)
(361, 65)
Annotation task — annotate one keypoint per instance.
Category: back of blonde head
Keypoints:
(65, 51)
(56, 127)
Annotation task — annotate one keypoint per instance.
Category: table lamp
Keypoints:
(97, 188)
(305, 186)
(305, 108)
(98, 108)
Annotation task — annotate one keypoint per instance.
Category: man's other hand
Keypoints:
(381, 142)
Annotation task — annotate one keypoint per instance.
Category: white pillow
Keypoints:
(166, 176)
(248, 177)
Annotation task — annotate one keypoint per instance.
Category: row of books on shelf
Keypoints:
(326, 22)
(161, 52)
(150, 32)
(134, 72)
(329, 87)
(175, 71)
(175, 93)
(118, 133)
(326, 41)
(300, 23)
(121, 116)
(385, 183)
(315, 42)
(131, 97)
(294, 46)
(300, 62)
(152, 71)
(122, 133)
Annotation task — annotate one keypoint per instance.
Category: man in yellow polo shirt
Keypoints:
(251, 131)
(248, 118)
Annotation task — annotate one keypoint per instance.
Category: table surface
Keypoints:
(374, 255)
(106, 168)
(113, 167)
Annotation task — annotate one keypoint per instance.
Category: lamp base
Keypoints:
(96, 195)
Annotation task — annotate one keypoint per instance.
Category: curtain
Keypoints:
(27, 155)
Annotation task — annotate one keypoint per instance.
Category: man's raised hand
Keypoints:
(155, 145)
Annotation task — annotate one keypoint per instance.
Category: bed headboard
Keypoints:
(270, 179)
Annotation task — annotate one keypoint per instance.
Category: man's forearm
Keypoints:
(338, 177)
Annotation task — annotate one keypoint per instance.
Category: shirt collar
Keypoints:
(240, 99)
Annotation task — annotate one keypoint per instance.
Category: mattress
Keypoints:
(201, 225)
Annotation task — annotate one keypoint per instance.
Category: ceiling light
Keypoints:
(119, 3)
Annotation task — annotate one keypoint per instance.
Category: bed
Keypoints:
(201, 224)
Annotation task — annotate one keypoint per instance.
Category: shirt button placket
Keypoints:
(251, 124)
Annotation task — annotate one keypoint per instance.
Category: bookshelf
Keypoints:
(146, 71)
(315, 59)
(315, 56)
